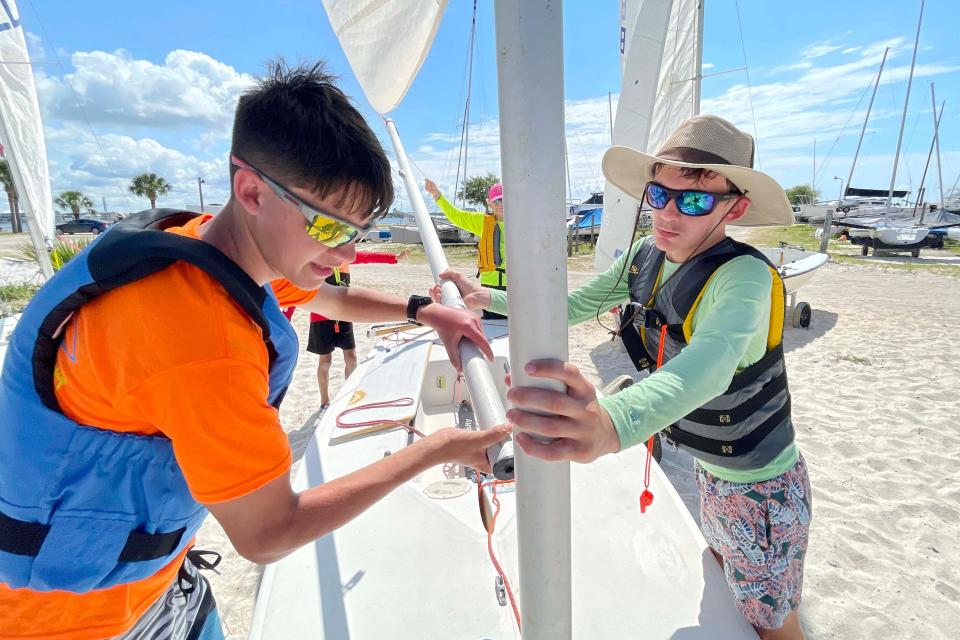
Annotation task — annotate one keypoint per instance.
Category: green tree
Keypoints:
(73, 200)
(802, 194)
(151, 186)
(6, 179)
(476, 188)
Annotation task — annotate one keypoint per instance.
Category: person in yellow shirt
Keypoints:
(492, 258)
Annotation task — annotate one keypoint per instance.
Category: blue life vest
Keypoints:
(84, 508)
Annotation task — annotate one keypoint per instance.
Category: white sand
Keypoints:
(875, 383)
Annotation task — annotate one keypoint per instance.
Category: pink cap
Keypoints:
(495, 193)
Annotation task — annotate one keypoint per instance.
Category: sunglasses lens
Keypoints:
(330, 232)
(657, 196)
(695, 203)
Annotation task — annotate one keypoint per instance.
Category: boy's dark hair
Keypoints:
(697, 174)
(299, 128)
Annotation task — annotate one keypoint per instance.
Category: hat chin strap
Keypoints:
(708, 234)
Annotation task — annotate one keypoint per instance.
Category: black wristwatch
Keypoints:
(414, 305)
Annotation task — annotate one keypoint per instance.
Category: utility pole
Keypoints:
(200, 183)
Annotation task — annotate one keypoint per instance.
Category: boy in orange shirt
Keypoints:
(139, 392)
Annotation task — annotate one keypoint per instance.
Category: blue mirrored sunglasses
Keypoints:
(690, 202)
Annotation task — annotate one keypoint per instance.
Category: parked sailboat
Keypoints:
(888, 227)
(423, 562)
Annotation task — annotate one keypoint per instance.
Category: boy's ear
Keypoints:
(247, 191)
(738, 209)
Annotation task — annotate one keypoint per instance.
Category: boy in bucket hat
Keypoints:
(706, 319)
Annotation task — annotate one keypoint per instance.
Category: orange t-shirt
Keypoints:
(172, 354)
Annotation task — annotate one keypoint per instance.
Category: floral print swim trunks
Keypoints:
(760, 530)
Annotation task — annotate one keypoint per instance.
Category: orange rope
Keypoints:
(493, 556)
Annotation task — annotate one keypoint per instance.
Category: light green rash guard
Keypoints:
(730, 327)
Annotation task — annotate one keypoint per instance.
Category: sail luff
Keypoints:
(21, 133)
(644, 50)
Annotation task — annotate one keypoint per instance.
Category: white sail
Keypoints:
(386, 42)
(660, 62)
(21, 130)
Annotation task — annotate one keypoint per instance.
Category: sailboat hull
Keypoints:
(416, 565)
(797, 267)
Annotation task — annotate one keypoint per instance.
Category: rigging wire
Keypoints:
(76, 96)
(465, 131)
(753, 114)
(823, 163)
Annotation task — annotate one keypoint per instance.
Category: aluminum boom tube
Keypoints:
(529, 40)
(487, 405)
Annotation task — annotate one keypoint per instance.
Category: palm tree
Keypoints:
(150, 185)
(73, 200)
(6, 179)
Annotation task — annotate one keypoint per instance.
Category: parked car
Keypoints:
(83, 225)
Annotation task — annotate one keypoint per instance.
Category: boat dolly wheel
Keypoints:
(802, 314)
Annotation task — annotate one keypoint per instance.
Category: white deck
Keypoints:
(415, 566)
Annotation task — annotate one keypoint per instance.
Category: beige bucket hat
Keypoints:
(714, 144)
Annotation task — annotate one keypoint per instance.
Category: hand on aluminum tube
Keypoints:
(468, 448)
(581, 429)
(474, 295)
(454, 325)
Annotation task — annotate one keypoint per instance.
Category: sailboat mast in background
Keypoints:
(903, 118)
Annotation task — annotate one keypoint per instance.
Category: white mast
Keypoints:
(936, 128)
(530, 73)
(698, 56)
(936, 140)
(903, 119)
(856, 153)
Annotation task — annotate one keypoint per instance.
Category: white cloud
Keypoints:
(707, 65)
(799, 66)
(116, 90)
(77, 162)
(819, 50)
(851, 50)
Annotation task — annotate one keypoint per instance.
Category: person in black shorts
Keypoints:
(326, 335)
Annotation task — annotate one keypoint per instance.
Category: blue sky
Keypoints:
(157, 84)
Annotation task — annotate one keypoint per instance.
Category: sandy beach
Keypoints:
(874, 384)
